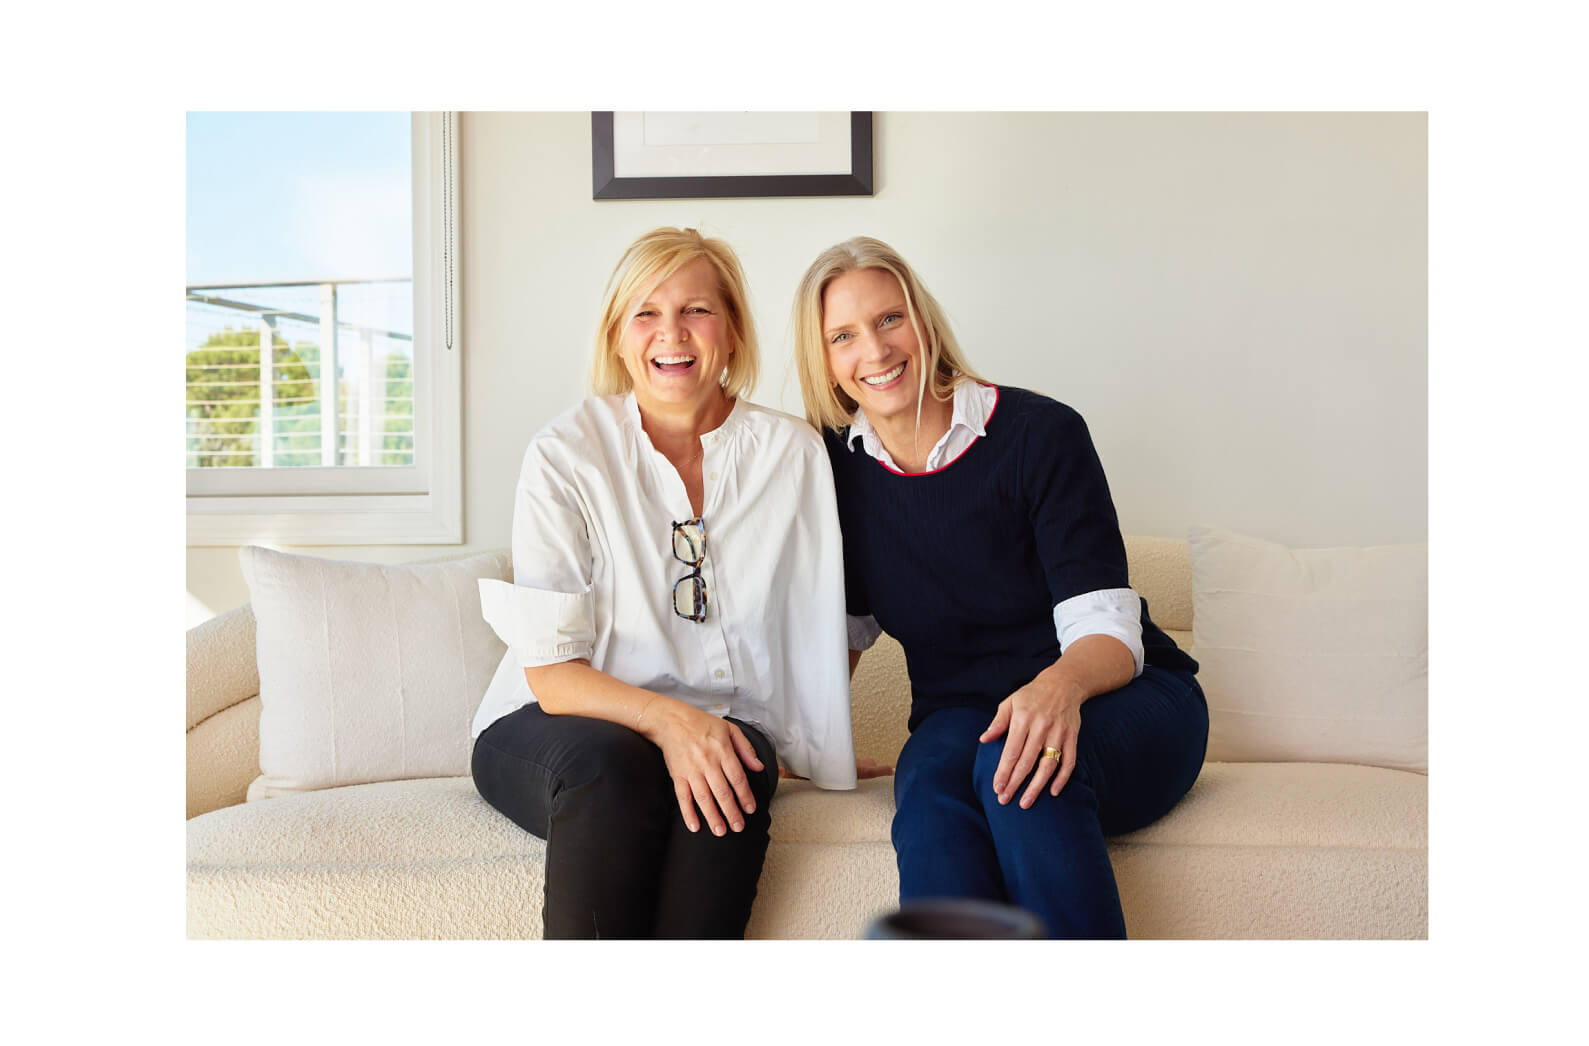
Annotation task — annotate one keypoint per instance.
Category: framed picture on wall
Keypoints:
(680, 156)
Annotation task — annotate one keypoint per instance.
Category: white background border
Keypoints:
(99, 917)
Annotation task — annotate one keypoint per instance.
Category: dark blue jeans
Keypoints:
(1140, 749)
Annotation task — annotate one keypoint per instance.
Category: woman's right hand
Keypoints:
(706, 758)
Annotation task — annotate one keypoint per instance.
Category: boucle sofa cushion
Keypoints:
(1312, 655)
(367, 671)
(1297, 804)
(1280, 850)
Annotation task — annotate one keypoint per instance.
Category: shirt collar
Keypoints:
(973, 402)
(861, 429)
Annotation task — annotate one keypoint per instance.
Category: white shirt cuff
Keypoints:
(863, 631)
(539, 626)
(1113, 612)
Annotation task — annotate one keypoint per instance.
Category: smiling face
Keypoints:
(676, 342)
(872, 350)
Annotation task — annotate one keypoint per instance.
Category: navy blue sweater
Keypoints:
(964, 565)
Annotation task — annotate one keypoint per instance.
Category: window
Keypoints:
(322, 349)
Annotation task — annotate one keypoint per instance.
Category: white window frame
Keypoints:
(420, 504)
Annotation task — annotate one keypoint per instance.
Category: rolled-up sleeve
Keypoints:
(547, 614)
(1113, 612)
(539, 626)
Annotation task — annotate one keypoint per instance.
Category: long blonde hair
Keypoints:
(827, 405)
(649, 261)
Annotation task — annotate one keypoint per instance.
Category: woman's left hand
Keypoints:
(1044, 713)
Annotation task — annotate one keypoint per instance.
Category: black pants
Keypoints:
(619, 860)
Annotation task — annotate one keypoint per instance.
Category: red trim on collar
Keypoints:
(957, 457)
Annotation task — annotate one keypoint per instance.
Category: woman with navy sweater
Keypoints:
(1047, 710)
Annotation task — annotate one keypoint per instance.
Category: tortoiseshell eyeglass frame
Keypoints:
(695, 545)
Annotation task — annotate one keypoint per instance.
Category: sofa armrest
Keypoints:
(223, 711)
(222, 670)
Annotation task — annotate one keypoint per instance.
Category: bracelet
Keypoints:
(642, 714)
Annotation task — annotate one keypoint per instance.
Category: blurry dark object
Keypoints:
(956, 918)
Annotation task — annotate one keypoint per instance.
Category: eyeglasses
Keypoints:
(689, 548)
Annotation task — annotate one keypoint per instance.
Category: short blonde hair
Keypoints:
(649, 261)
(827, 405)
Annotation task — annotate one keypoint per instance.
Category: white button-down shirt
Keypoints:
(1113, 612)
(593, 575)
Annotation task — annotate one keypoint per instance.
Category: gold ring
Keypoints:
(1052, 753)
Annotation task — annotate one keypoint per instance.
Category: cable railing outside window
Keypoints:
(257, 353)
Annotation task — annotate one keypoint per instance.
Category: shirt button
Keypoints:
(718, 673)
(713, 476)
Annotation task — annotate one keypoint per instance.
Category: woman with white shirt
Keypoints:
(1047, 711)
(676, 619)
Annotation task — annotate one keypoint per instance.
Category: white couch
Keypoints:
(1255, 850)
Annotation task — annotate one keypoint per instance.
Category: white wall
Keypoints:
(1235, 302)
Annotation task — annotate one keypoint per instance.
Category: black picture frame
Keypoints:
(606, 186)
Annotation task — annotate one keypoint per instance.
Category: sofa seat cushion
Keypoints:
(425, 819)
(423, 858)
(444, 819)
(1282, 850)
(1254, 850)
(1231, 804)
(1297, 804)
(430, 858)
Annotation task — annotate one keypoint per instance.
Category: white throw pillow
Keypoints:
(367, 672)
(1312, 655)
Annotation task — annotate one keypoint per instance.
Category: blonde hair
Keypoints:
(827, 405)
(650, 260)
